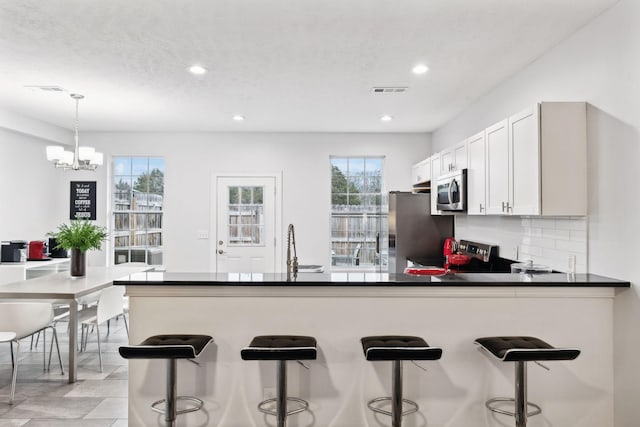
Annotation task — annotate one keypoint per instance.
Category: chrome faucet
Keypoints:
(292, 264)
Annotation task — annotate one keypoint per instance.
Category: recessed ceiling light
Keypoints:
(197, 69)
(420, 69)
(238, 118)
(386, 118)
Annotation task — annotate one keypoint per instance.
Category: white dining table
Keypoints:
(63, 287)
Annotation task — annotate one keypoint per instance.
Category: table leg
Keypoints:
(73, 337)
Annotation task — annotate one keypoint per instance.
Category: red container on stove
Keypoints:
(451, 257)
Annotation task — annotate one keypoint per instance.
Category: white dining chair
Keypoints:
(19, 320)
(110, 305)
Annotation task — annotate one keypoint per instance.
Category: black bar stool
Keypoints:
(521, 350)
(172, 348)
(281, 348)
(397, 348)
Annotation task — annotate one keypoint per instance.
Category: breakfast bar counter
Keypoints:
(338, 309)
(364, 279)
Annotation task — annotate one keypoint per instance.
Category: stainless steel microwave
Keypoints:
(452, 191)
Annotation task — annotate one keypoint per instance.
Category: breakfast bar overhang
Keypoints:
(339, 308)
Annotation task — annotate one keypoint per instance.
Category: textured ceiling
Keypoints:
(286, 65)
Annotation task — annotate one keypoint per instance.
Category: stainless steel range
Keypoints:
(470, 257)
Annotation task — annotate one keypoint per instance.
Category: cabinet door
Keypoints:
(497, 168)
(446, 161)
(524, 139)
(460, 155)
(435, 172)
(476, 204)
(421, 172)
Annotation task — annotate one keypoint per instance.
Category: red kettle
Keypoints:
(450, 246)
(451, 257)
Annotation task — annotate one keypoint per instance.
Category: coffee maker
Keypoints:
(13, 251)
(37, 251)
(55, 252)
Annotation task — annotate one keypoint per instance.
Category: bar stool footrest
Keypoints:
(304, 405)
(492, 405)
(197, 402)
(413, 406)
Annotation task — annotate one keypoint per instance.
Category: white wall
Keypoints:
(303, 158)
(30, 188)
(599, 64)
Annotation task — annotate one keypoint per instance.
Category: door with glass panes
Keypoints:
(245, 224)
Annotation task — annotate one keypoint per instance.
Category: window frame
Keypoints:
(160, 231)
(365, 261)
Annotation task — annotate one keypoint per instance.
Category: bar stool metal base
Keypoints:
(492, 405)
(197, 405)
(304, 405)
(372, 402)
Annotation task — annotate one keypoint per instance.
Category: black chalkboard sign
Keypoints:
(83, 200)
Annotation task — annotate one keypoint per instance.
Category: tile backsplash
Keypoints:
(557, 242)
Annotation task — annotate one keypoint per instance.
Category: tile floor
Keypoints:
(46, 399)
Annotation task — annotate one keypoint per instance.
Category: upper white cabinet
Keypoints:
(421, 172)
(563, 158)
(454, 158)
(536, 161)
(524, 165)
(476, 176)
(497, 168)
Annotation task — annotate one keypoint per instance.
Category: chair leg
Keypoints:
(281, 398)
(99, 349)
(44, 348)
(171, 394)
(55, 338)
(15, 370)
(521, 394)
(396, 394)
(126, 325)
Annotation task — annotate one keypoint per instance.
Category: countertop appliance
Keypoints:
(37, 251)
(452, 191)
(413, 231)
(13, 251)
(481, 258)
(55, 252)
(529, 267)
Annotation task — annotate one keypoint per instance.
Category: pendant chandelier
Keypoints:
(82, 158)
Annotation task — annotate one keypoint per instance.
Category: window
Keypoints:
(138, 201)
(246, 216)
(359, 212)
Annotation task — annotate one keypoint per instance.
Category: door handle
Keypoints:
(481, 208)
(503, 206)
(220, 251)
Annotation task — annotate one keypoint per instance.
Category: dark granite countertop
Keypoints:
(369, 279)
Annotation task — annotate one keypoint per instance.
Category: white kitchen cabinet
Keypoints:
(454, 158)
(435, 172)
(476, 176)
(524, 165)
(536, 162)
(497, 168)
(421, 172)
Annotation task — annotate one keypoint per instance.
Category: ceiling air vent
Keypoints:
(389, 89)
(46, 88)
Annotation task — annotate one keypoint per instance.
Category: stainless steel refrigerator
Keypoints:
(413, 232)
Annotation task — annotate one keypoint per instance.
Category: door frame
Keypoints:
(213, 225)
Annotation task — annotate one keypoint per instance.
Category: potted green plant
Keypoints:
(79, 236)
